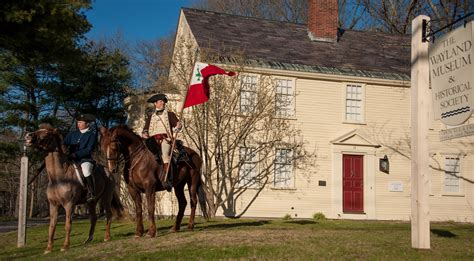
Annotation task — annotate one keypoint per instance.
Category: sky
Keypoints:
(134, 19)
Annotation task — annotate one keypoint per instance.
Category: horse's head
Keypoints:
(47, 138)
(110, 146)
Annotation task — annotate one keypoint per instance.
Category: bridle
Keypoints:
(121, 156)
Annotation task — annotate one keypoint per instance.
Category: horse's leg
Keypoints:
(93, 219)
(106, 202)
(53, 220)
(137, 199)
(179, 192)
(67, 225)
(192, 185)
(150, 199)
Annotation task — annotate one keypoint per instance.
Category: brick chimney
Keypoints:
(322, 20)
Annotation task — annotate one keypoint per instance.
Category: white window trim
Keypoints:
(460, 191)
(293, 104)
(291, 186)
(362, 109)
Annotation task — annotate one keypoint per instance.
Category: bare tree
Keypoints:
(152, 60)
(281, 10)
(243, 133)
(395, 16)
(352, 13)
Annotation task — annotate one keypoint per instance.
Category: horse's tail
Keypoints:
(203, 201)
(117, 206)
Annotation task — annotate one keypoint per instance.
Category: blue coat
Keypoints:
(81, 145)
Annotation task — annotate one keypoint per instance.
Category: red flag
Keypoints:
(198, 91)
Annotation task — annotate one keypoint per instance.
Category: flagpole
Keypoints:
(181, 115)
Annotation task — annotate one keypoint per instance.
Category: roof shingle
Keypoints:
(287, 46)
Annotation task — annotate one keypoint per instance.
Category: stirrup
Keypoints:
(90, 197)
(167, 185)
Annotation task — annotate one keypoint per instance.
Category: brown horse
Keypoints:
(142, 171)
(65, 187)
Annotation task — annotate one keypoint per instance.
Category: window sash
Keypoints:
(284, 97)
(248, 169)
(283, 172)
(248, 93)
(354, 102)
(452, 174)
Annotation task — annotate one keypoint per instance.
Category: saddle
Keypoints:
(179, 154)
(79, 174)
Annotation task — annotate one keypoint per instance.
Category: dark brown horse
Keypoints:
(142, 172)
(66, 189)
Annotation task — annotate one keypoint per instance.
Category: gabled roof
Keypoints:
(284, 45)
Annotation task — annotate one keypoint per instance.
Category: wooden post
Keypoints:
(420, 115)
(22, 202)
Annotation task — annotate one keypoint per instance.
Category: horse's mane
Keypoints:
(57, 135)
(125, 128)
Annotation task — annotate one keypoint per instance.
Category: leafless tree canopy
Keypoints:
(392, 16)
(238, 133)
(395, 16)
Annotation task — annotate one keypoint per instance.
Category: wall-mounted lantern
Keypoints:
(384, 165)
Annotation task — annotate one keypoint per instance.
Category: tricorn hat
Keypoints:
(85, 117)
(157, 97)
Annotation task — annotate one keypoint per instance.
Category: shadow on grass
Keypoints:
(301, 222)
(443, 233)
(240, 224)
(126, 234)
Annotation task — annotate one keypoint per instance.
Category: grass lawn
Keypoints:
(249, 239)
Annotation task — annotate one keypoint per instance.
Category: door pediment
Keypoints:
(354, 138)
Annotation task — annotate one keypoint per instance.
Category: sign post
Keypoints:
(22, 200)
(420, 116)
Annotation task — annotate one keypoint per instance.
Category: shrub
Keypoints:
(319, 216)
(287, 217)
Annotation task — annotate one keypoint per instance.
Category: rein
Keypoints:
(126, 158)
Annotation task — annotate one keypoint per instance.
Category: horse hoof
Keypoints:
(47, 252)
(63, 249)
(106, 239)
(137, 236)
(88, 240)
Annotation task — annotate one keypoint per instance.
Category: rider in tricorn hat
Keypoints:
(81, 144)
(159, 126)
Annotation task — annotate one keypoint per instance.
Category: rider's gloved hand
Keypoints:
(71, 157)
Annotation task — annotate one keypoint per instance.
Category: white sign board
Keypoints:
(396, 186)
(451, 60)
(457, 132)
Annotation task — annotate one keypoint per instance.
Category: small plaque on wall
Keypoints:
(396, 186)
(322, 183)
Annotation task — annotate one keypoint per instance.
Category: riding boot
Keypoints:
(90, 188)
(167, 184)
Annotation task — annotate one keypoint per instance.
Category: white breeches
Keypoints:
(165, 150)
(86, 168)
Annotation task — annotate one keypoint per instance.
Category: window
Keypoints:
(354, 103)
(284, 94)
(248, 93)
(283, 168)
(451, 175)
(248, 169)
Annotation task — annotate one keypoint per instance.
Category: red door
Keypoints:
(353, 183)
